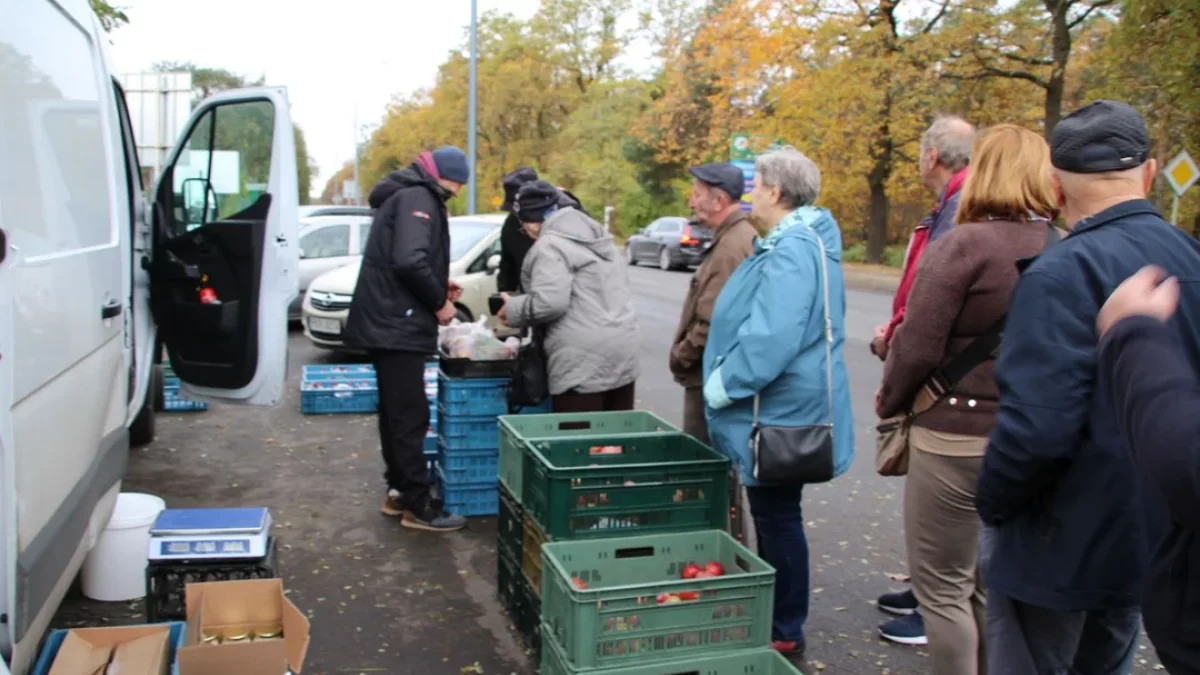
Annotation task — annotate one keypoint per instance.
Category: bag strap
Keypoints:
(981, 349)
(827, 329)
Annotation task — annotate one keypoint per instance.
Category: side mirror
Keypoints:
(200, 202)
(493, 263)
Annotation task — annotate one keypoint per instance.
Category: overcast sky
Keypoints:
(333, 57)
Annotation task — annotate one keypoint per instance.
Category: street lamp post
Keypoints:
(472, 104)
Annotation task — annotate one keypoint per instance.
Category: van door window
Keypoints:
(225, 165)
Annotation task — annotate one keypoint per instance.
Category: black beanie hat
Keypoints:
(533, 199)
(513, 182)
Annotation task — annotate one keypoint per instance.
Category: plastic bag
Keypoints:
(475, 341)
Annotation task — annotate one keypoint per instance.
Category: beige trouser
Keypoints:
(941, 531)
(695, 424)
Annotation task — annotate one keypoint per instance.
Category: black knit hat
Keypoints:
(1102, 137)
(513, 182)
(533, 199)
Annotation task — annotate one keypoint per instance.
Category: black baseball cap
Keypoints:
(724, 176)
(1101, 137)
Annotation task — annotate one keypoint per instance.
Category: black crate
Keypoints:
(165, 580)
(508, 525)
(468, 369)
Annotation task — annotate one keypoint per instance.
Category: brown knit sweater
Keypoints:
(963, 286)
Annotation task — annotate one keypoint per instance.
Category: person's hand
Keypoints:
(454, 291)
(447, 313)
(879, 346)
(1149, 292)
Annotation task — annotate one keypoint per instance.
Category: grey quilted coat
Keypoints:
(578, 290)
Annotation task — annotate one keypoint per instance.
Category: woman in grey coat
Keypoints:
(577, 300)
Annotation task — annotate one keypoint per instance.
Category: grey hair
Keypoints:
(796, 176)
(953, 137)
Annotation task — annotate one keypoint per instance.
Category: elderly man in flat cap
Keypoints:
(716, 202)
(1071, 522)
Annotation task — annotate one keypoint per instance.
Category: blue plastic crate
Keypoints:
(469, 499)
(469, 466)
(469, 433)
(176, 404)
(55, 639)
(544, 408)
(473, 397)
(339, 396)
(431, 443)
(339, 371)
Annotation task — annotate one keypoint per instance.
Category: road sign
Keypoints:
(739, 147)
(1182, 173)
(742, 155)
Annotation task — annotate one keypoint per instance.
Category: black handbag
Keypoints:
(530, 384)
(799, 455)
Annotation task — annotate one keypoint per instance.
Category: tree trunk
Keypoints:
(1061, 52)
(877, 223)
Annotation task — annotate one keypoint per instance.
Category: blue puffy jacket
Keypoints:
(767, 337)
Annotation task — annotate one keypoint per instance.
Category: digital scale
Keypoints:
(210, 534)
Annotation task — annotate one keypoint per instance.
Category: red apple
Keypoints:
(690, 571)
(662, 598)
(703, 574)
(689, 595)
(715, 569)
(579, 583)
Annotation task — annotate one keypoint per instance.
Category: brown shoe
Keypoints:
(391, 505)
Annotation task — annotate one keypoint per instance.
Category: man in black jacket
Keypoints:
(1156, 395)
(514, 243)
(403, 293)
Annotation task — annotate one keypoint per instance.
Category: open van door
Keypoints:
(225, 260)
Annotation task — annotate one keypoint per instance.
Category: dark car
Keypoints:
(672, 243)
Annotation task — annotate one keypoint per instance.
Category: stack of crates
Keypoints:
(615, 499)
(173, 401)
(354, 388)
(468, 443)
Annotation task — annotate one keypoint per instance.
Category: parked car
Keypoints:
(474, 261)
(671, 242)
(329, 239)
(314, 210)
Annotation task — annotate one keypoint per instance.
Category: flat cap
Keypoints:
(724, 176)
(1101, 137)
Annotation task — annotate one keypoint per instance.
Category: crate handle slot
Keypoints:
(574, 426)
(742, 563)
(639, 552)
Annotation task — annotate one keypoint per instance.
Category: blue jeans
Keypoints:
(781, 542)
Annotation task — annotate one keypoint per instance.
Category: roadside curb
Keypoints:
(871, 277)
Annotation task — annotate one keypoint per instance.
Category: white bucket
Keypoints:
(115, 570)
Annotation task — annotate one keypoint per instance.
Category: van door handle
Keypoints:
(110, 311)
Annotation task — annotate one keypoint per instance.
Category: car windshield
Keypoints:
(700, 231)
(464, 234)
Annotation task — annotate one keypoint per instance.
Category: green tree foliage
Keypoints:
(110, 17)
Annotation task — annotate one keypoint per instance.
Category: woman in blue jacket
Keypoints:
(769, 339)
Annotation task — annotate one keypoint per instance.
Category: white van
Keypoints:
(94, 281)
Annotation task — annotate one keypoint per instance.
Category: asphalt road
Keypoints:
(383, 599)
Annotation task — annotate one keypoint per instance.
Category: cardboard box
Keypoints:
(129, 650)
(230, 606)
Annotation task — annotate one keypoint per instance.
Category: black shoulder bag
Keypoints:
(530, 384)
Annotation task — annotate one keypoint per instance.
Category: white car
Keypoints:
(474, 261)
(330, 238)
(97, 278)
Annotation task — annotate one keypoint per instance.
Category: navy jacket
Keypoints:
(1156, 395)
(1075, 525)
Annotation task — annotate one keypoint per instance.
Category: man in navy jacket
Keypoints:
(1071, 524)
(1156, 395)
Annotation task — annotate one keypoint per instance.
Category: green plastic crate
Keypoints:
(742, 662)
(532, 539)
(617, 619)
(516, 430)
(658, 483)
(508, 525)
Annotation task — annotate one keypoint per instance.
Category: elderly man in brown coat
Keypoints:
(716, 203)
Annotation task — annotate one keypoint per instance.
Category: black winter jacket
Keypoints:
(1156, 394)
(405, 270)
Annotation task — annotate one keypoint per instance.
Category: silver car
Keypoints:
(330, 237)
